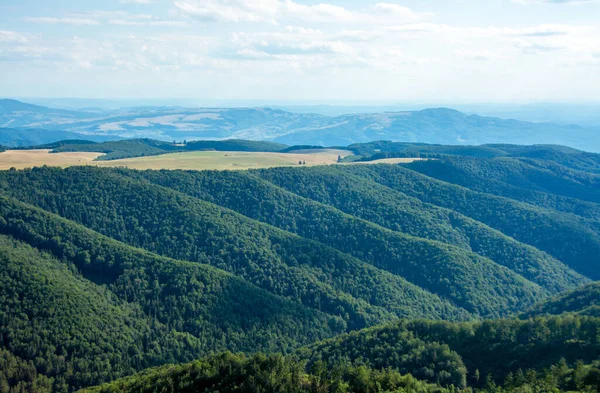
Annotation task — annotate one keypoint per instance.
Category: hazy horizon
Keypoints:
(580, 113)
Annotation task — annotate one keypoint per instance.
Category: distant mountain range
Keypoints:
(26, 124)
(19, 137)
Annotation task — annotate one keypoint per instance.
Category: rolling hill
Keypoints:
(344, 274)
(584, 300)
(544, 354)
(128, 148)
(19, 137)
(103, 309)
(460, 354)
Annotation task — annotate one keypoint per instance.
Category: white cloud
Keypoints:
(230, 10)
(123, 22)
(291, 43)
(115, 18)
(396, 10)
(274, 11)
(168, 23)
(11, 36)
(554, 1)
(317, 13)
(137, 22)
(63, 21)
(417, 28)
(304, 47)
(480, 55)
(534, 48)
(297, 39)
(142, 2)
(548, 30)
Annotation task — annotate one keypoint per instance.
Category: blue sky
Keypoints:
(294, 50)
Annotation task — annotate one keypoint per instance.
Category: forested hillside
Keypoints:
(562, 155)
(556, 354)
(228, 373)
(544, 184)
(349, 268)
(184, 310)
(128, 148)
(183, 227)
(466, 354)
(572, 239)
(584, 301)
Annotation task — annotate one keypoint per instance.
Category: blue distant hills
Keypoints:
(23, 124)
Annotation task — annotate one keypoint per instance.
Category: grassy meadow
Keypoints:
(21, 159)
(197, 160)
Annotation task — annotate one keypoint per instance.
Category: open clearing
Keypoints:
(197, 160)
(391, 161)
(20, 159)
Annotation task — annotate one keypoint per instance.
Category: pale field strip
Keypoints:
(389, 161)
(21, 159)
(197, 160)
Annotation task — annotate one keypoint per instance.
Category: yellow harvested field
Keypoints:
(20, 159)
(391, 161)
(198, 160)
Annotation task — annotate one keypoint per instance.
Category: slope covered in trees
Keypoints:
(228, 373)
(42, 301)
(114, 150)
(464, 354)
(388, 250)
(175, 225)
(539, 183)
(397, 211)
(128, 148)
(170, 311)
(584, 300)
(571, 239)
(235, 145)
(105, 272)
(521, 356)
(562, 155)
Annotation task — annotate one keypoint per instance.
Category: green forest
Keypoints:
(475, 271)
(115, 150)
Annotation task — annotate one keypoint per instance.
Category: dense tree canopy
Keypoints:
(460, 354)
(584, 300)
(86, 291)
(128, 148)
(353, 278)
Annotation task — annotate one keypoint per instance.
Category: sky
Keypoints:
(294, 50)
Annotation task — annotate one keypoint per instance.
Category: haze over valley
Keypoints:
(27, 125)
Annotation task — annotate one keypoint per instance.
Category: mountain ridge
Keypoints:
(434, 125)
